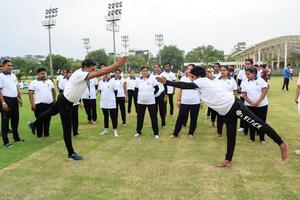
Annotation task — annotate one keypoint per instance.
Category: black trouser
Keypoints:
(208, 112)
(131, 95)
(43, 129)
(244, 125)
(239, 110)
(13, 116)
(141, 109)
(213, 116)
(220, 123)
(121, 104)
(113, 116)
(260, 112)
(64, 108)
(171, 104)
(285, 83)
(90, 109)
(75, 119)
(161, 107)
(183, 114)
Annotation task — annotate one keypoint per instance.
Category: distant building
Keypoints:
(240, 46)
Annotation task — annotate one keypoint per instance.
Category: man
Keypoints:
(217, 74)
(229, 107)
(11, 99)
(286, 78)
(41, 95)
(73, 92)
(170, 76)
(59, 79)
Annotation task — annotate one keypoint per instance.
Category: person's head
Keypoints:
(69, 72)
(117, 73)
(42, 73)
(102, 65)
(167, 67)
(224, 71)
(156, 69)
(145, 71)
(250, 73)
(248, 63)
(88, 65)
(62, 71)
(132, 73)
(188, 69)
(197, 72)
(217, 67)
(106, 76)
(7, 65)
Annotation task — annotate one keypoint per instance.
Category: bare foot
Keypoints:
(284, 151)
(224, 163)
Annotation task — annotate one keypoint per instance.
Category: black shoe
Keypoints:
(75, 157)
(8, 145)
(32, 128)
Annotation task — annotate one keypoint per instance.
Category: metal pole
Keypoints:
(278, 58)
(50, 53)
(126, 55)
(114, 42)
(159, 56)
(285, 55)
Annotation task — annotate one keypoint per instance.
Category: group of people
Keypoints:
(227, 95)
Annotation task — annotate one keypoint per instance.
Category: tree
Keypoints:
(98, 56)
(171, 54)
(27, 66)
(135, 62)
(58, 62)
(205, 54)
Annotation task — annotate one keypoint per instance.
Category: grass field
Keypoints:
(129, 168)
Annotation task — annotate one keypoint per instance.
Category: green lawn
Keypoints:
(129, 168)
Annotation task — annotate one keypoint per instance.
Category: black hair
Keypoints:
(217, 64)
(41, 69)
(144, 67)
(198, 71)
(118, 70)
(193, 65)
(6, 61)
(251, 70)
(167, 64)
(69, 70)
(157, 65)
(88, 63)
(249, 60)
(226, 67)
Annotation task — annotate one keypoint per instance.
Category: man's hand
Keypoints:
(5, 107)
(162, 80)
(33, 107)
(122, 60)
(255, 104)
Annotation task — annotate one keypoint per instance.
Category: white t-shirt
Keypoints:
(42, 91)
(228, 84)
(8, 85)
(62, 83)
(242, 75)
(59, 79)
(189, 97)
(215, 97)
(254, 90)
(146, 90)
(76, 86)
(108, 97)
(161, 86)
(218, 75)
(170, 76)
(131, 83)
(90, 92)
(120, 86)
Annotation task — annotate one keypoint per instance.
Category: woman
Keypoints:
(228, 84)
(231, 108)
(188, 101)
(211, 112)
(254, 92)
(108, 90)
(131, 90)
(147, 88)
(121, 95)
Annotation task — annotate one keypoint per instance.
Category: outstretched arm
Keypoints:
(108, 69)
(181, 85)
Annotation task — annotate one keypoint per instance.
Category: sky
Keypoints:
(187, 24)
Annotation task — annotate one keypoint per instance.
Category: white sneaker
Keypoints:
(105, 132)
(164, 127)
(93, 122)
(116, 133)
(137, 135)
(156, 137)
(240, 129)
